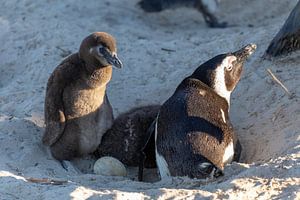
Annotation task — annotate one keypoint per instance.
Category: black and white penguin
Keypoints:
(193, 133)
(208, 8)
(77, 110)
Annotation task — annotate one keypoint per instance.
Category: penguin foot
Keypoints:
(64, 165)
(217, 24)
(213, 22)
(67, 165)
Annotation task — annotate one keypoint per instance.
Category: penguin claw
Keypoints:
(67, 165)
(64, 165)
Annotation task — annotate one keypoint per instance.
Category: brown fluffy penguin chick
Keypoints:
(77, 110)
(128, 136)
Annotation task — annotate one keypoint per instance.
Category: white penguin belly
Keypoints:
(160, 160)
(228, 154)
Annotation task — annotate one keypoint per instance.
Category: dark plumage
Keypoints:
(77, 110)
(206, 7)
(128, 135)
(288, 38)
(194, 136)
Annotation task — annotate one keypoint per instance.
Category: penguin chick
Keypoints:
(193, 133)
(128, 135)
(208, 8)
(77, 110)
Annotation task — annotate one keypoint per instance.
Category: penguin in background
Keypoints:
(208, 8)
(192, 133)
(77, 109)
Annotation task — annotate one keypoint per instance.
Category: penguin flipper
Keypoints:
(54, 129)
(151, 134)
(54, 109)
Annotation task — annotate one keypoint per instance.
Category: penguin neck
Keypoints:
(98, 76)
(222, 92)
(217, 84)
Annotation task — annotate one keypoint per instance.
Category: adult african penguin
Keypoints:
(208, 8)
(77, 110)
(193, 133)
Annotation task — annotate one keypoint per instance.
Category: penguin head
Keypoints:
(223, 72)
(99, 50)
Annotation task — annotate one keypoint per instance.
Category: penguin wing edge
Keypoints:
(54, 129)
(54, 109)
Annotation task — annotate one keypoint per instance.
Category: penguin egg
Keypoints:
(109, 166)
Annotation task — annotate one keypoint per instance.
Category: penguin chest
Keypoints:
(83, 102)
(228, 153)
(88, 112)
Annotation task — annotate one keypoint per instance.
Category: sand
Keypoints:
(36, 35)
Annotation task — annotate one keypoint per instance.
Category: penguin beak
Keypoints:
(244, 52)
(113, 60)
(104, 55)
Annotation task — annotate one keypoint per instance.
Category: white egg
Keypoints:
(109, 166)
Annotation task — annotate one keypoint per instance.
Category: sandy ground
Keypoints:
(36, 35)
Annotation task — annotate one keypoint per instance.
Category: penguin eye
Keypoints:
(229, 62)
(103, 50)
(205, 167)
(229, 67)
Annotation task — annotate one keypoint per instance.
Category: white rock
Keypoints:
(109, 166)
